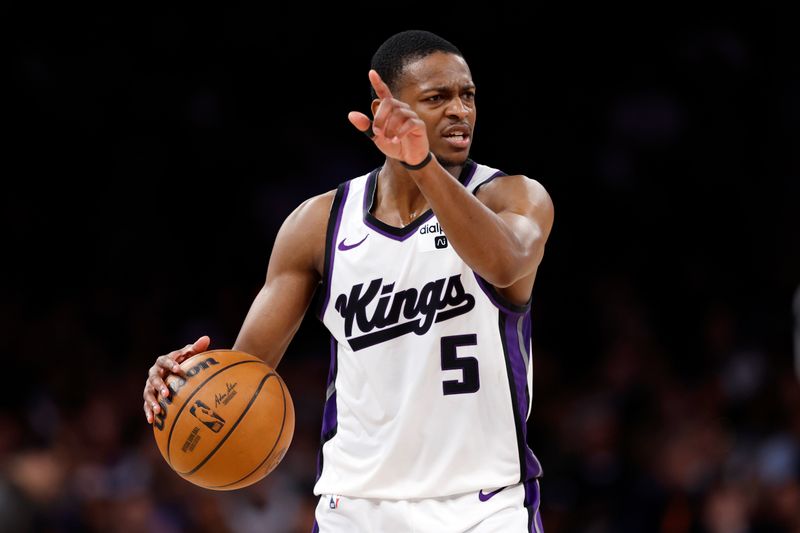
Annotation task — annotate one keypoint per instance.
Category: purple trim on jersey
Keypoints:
(497, 174)
(369, 190)
(411, 230)
(331, 247)
(315, 529)
(526, 329)
(519, 369)
(330, 412)
(469, 175)
(499, 300)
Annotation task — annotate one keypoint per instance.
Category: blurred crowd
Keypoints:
(638, 440)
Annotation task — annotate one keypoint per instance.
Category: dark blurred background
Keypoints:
(152, 154)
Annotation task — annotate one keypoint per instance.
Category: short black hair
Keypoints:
(403, 48)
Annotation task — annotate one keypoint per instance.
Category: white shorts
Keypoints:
(502, 511)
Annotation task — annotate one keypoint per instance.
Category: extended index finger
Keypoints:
(381, 89)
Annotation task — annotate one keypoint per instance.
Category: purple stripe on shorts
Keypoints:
(532, 503)
(537, 526)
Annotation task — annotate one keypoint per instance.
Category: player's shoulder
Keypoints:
(501, 188)
(313, 211)
(303, 231)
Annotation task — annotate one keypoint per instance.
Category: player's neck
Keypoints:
(398, 200)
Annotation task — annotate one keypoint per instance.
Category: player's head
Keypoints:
(430, 74)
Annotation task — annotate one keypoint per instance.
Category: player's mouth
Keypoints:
(457, 136)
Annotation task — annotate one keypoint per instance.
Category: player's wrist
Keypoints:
(421, 164)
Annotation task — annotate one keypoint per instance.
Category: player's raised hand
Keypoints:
(399, 132)
(165, 365)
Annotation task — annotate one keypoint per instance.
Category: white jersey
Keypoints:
(430, 379)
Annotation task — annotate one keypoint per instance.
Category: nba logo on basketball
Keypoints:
(208, 417)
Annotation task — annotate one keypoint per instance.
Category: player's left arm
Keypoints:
(500, 232)
(525, 209)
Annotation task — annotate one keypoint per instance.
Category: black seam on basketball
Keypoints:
(196, 390)
(513, 389)
(233, 427)
(277, 440)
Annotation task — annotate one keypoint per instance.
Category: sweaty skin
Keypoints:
(433, 110)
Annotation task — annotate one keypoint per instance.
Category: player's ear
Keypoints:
(375, 104)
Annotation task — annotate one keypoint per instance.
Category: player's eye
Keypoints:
(434, 98)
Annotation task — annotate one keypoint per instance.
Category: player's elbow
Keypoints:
(506, 269)
(509, 266)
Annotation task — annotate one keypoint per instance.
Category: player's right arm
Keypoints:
(295, 269)
(294, 272)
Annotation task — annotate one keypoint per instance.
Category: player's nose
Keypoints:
(457, 108)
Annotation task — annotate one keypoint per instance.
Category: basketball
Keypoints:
(228, 424)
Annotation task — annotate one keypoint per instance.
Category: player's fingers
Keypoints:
(387, 111)
(201, 344)
(381, 115)
(158, 385)
(150, 401)
(381, 89)
(198, 346)
(396, 122)
(148, 413)
(168, 363)
(408, 126)
(361, 122)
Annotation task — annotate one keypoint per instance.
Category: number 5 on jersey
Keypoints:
(470, 380)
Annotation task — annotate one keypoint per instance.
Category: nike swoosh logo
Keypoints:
(485, 497)
(344, 247)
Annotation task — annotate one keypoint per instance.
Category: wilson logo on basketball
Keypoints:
(436, 301)
(207, 416)
(177, 385)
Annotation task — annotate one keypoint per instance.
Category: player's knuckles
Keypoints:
(149, 394)
(156, 383)
(167, 362)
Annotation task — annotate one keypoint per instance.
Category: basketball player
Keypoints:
(425, 268)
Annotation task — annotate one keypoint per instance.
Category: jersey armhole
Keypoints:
(334, 221)
(500, 301)
(492, 177)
